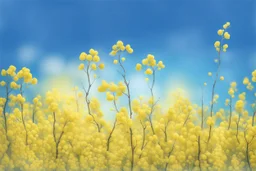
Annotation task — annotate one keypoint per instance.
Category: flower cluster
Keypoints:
(92, 59)
(120, 47)
(224, 35)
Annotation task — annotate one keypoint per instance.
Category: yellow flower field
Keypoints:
(56, 131)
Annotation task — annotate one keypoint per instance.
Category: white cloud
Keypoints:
(27, 54)
(181, 83)
(52, 65)
(138, 85)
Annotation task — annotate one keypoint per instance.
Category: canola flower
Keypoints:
(55, 131)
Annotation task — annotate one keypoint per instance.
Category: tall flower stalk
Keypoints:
(219, 48)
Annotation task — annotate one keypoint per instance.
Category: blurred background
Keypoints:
(48, 37)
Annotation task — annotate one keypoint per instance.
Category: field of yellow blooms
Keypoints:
(60, 132)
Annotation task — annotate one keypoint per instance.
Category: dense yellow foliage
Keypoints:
(59, 132)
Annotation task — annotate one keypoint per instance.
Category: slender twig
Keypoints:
(230, 113)
(130, 110)
(114, 125)
(237, 128)
(247, 150)
(22, 116)
(213, 88)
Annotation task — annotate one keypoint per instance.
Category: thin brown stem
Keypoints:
(230, 113)
(4, 109)
(54, 127)
(130, 111)
(153, 104)
(22, 117)
(253, 118)
(87, 93)
(213, 89)
(110, 135)
(58, 141)
(237, 128)
(169, 154)
(247, 150)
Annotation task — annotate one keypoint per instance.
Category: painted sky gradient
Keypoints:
(48, 36)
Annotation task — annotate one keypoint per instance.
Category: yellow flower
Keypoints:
(233, 85)
(80, 94)
(149, 71)
(209, 74)
(3, 72)
(94, 66)
(16, 78)
(101, 66)
(160, 65)
(82, 56)
(123, 59)
(129, 50)
(34, 81)
(122, 48)
(119, 43)
(113, 53)
(225, 26)
(92, 52)
(14, 85)
(217, 44)
(138, 67)
(227, 101)
(253, 79)
(96, 58)
(127, 47)
(226, 35)
(205, 84)
(145, 61)
(114, 47)
(2, 83)
(115, 61)
(210, 121)
(81, 67)
(89, 57)
(221, 78)
(220, 32)
(35, 100)
(231, 92)
(246, 81)
(113, 87)
(225, 46)
(110, 97)
(146, 79)
(150, 57)
(254, 73)
(104, 86)
(239, 106)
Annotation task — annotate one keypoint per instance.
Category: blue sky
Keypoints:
(41, 34)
